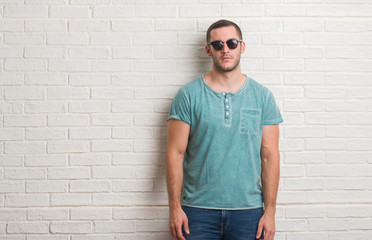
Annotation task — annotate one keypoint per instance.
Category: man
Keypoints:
(222, 150)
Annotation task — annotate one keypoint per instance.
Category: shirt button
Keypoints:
(227, 114)
(223, 93)
(226, 100)
(227, 106)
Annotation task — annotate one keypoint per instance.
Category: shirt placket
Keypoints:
(227, 108)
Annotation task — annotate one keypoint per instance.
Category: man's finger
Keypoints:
(186, 227)
(179, 233)
(259, 230)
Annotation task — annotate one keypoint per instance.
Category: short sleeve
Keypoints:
(271, 112)
(180, 108)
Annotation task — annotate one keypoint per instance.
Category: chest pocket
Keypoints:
(250, 120)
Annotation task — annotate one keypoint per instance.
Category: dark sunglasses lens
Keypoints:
(217, 45)
(232, 44)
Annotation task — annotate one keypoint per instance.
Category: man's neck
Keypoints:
(225, 81)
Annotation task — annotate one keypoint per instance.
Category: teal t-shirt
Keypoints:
(222, 164)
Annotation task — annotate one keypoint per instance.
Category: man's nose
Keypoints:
(225, 48)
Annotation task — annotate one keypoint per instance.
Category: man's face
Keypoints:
(226, 59)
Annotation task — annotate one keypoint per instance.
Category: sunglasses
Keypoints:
(232, 44)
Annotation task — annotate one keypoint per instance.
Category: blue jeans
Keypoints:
(208, 224)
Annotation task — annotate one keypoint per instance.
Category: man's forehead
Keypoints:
(224, 33)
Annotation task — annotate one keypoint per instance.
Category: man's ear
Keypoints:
(208, 50)
(242, 49)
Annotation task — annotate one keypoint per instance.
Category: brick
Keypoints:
(136, 158)
(71, 227)
(24, 38)
(11, 25)
(68, 173)
(259, 25)
(11, 187)
(26, 200)
(338, 170)
(89, 186)
(41, 237)
(287, 10)
(154, 39)
(132, 52)
(289, 197)
(88, 79)
(307, 236)
(45, 160)
(292, 171)
(11, 134)
(360, 145)
(46, 79)
(113, 172)
(300, 132)
(68, 120)
(11, 160)
(68, 38)
(338, 10)
(24, 147)
(252, 10)
(118, 65)
(346, 184)
(96, 159)
(89, 133)
(69, 11)
(132, 107)
(133, 133)
(177, 25)
(345, 53)
(296, 52)
(111, 146)
(349, 212)
(90, 213)
(110, 39)
(47, 25)
(301, 25)
(157, 11)
(151, 146)
(347, 157)
(13, 214)
(133, 186)
(68, 146)
(113, 11)
(69, 65)
(24, 93)
(281, 38)
(344, 131)
(76, 199)
(112, 120)
(63, 93)
(42, 52)
(10, 107)
(139, 213)
(26, 11)
(325, 118)
(88, 107)
(137, 25)
(111, 93)
(114, 227)
(45, 107)
(7, 78)
(89, 25)
(346, 26)
(25, 227)
(303, 184)
(108, 199)
(11, 52)
(46, 187)
(88, 53)
(24, 65)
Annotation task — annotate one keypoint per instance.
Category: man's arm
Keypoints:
(177, 138)
(270, 179)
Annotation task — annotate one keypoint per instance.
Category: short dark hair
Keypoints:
(223, 23)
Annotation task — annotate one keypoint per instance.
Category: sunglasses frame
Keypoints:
(238, 40)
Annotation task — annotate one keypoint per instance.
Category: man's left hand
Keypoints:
(266, 224)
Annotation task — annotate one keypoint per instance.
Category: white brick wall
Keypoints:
(85, 87)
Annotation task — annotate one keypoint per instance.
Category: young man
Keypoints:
(222, 150)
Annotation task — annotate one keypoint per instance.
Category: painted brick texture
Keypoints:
(86, 85)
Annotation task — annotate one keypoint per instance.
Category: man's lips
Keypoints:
(226, 58)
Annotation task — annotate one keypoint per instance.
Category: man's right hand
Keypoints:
(177, 219)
